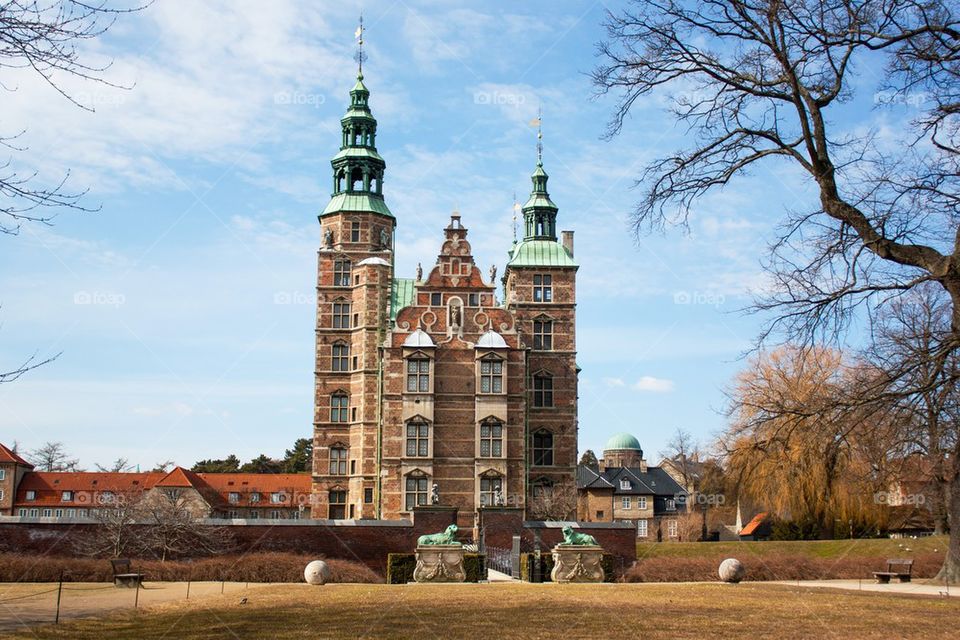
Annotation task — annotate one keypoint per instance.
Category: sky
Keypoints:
(182, 309)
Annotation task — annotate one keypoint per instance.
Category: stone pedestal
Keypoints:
(439, 563)
(577, 563)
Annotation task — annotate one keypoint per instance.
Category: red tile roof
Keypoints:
(753, 524)
(7, 455)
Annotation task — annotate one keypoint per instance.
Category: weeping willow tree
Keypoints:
(794, 447)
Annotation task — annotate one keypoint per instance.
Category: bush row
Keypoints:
(258, 567)
(773, 568)
(400, 567)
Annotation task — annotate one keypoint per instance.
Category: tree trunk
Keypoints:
(950, 572)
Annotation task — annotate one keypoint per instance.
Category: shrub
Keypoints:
(400, 567)
(258, 567)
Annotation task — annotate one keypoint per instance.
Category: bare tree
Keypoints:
(174, 527)
(554, 502)
(757, 81)
(52, 456)
(684, 452)
(120, 465)
(117, 514)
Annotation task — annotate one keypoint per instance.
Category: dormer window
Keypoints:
(625, 485)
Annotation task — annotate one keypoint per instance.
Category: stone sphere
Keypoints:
(731, 570)
(317, 572)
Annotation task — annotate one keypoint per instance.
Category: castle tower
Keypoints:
(354, 277)
(541, 294)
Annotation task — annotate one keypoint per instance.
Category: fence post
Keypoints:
(188, 588)
(59, 593)
(136, 598)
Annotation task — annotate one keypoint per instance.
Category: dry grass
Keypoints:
(530, 611)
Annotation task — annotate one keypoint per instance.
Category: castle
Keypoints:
(432, 388)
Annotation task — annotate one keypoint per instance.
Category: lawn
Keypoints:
(880, 548)
(512, 610)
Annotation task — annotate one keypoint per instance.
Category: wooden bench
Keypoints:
(122, 576)
(895, 568)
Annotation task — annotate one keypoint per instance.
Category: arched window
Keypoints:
(356, 180)
(341, 273)
(543, 334)
(491, 489)
(491, 375)
(491, 439)
(338, 460)
(542, 390)
(416, 490)
(418, 439)
(418, 374)
(340, 357)
(542, 448)
(338, 504)
(339, 405)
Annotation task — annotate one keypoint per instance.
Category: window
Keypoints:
(435, 299)
(341, 273)
(31, 496)
(340, 360)
(625, 502)
(3, 474)
(642, 502)
(71, 513)
(368, 495)
(23, 513)
(47, 513)
(339, 403)
(1, 494)
(543, 288)
(416, 487)
(341, 315)
(473, 300)
(338, 461)
(254, 515)
(255, 496)
(542, 391)
(641, 528)
(173, 494)
(66, 496)
(491, 439)
(599, 515)
(624, 484)
(58, 513)
(543, 335)
(338, 504)
(234, 497)
(543, 448)
(670, 504)
(295, 515)
(672, 528)
(277, 497)
(82, 513)
(275, 515)
(418, 375)
(233, 515)
(491, 375)
(491, 487)
(354, 232)
(418, 439)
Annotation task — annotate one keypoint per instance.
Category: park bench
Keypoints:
(895, 568)
(122, 576)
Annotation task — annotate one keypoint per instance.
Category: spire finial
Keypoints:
(358, 34)
(539, 135)
(516, 207)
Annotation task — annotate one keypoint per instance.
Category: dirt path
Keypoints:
(24, 605)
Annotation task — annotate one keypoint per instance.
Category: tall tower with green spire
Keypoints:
(354, 278)
(541, 292)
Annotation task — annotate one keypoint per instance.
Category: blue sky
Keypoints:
(184, 307)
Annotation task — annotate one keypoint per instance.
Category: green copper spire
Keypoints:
(539, 213)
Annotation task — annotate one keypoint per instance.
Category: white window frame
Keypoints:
(642, 530)
(670, 504)
(1, 494)
(23, 513)
(275, 515)
(671, 528)
(58, 513)
(31, 495)
(48, 513)
(233, 497)
(3, 474)
(626, 503)
(277, 497)
(34, 513)
(624, 484)
(66, 496)
(254, 497)
(71, 513)
(641, 502)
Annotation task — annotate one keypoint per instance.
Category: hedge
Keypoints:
(400, 567)
(528, 565)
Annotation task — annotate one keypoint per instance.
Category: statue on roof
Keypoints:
(328, 238)
(419, 272)
(493, 274)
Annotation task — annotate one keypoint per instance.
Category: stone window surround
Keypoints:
(338, 460)
(490, 475)
(491, 356)
(418, 356)
(534, 449)
(420, 476)
(419, 420)
(491, 421)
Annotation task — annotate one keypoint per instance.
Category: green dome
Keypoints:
(623, 441)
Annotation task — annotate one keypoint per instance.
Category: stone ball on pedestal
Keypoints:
(317, 572)
(732, 570)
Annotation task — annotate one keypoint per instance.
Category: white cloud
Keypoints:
(614, 382)
(653, 385)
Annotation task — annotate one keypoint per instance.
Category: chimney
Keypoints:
(567, 239)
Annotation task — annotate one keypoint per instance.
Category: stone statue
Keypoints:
(573, 538)
(384, 238)
(454, 316)
(435, 494)
(419, 272)
(497, 498)
(449, 536)
(328, 238)
(493, 274)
